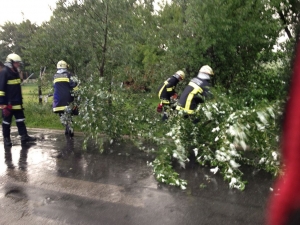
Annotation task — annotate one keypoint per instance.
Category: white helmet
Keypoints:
(207, 69)
(13, 58)
(181, 74)
(62, 65)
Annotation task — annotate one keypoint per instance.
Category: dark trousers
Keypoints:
(65, 118)
(6, 123)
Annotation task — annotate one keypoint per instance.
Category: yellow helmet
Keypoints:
(62, 65)
(13, 57)
(181, 74)
(207, 69)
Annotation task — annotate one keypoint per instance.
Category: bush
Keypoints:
(225, 138)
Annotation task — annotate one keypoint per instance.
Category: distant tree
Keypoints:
(13, 38)
(227, 35)
(289, 14)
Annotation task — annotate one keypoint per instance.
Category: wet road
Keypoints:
(38, 185)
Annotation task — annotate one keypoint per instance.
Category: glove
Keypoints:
(159, 108)
(7, 110)
(175, 96)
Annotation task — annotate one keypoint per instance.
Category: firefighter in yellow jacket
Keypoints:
(167, 93)
(196, 91)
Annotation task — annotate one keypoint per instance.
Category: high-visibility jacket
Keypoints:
(10, 88)
(167, 89)
(193, 95)
(63, 85)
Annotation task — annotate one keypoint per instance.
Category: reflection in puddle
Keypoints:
(57, 173)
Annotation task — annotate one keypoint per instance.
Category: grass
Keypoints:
(38, 115)
(29, 90)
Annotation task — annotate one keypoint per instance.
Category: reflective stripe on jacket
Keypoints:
(10, 88)
(167, 89)
(63, 86)
(191, 97)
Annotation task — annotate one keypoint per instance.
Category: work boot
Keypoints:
(71, 133)
(26, 138)
(7, 142)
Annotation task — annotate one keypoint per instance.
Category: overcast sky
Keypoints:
(37, 11)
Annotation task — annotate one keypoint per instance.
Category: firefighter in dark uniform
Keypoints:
(11, 100)
(196, 91)
(167, 93)
(1, 66)
(64, 84)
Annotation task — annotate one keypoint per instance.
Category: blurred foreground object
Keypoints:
(284, 204)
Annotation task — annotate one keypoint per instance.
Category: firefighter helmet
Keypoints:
(207, 69)
(13, 58)
(181, 74)
(62, 65)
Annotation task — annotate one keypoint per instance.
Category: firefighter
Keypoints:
(64, 84)
(196, 91)
(11, 101)
(168, 95)
(1, 66)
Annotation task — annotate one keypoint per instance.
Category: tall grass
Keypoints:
(38, 115)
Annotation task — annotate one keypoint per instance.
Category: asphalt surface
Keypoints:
(56, 182)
